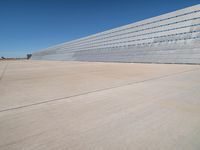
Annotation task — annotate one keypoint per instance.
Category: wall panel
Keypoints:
(169, 38)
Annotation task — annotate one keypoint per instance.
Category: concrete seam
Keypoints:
(4, 70)
(99, 90)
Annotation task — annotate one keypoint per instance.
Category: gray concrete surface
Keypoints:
(48, 105)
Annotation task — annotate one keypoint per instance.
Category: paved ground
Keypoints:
(48, 105)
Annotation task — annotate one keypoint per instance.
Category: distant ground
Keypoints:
(48, 105)
(6, 59)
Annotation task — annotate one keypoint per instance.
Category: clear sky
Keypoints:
(29, 25)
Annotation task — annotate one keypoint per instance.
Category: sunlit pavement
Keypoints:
(48, 105)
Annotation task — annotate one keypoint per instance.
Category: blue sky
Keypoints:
(26, 26)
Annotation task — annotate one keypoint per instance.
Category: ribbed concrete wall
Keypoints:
(169, 38)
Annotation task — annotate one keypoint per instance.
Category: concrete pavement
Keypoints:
(99, 106)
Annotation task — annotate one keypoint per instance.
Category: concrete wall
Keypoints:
(169, 38)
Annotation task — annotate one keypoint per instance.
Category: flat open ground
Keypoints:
(58, 105)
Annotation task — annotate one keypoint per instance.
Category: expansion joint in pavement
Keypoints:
(4, 70)
(95, 91)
